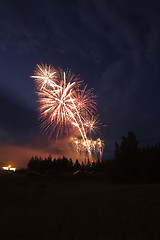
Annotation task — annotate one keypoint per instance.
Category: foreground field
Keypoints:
(48, 208)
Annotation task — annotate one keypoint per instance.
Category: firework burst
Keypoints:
(85, 101)
(45, 76)
(63, 105)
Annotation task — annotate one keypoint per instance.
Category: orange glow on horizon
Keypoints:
(19, 156)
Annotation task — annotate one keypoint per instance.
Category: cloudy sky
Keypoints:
(114, 46)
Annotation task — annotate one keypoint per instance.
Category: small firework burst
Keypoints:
(45, 76)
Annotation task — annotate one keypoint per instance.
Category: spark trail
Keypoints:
(65, 105)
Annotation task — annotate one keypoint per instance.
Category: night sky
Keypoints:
(113, 45)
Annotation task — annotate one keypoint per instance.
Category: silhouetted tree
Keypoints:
(93, 166)
(76, 166)
(99, 165)
(83, 166)
(88, 165)
(70, 164)
(127, 163)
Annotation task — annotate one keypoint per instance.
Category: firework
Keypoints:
(64, 105)
(95, 146)
(45, 76)
(91, 124)
(85, 101)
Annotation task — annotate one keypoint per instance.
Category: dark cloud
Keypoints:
(17, 121)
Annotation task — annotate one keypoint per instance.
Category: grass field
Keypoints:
(47, 208)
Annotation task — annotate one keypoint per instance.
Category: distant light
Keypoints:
(13, 169)
(5, 168)
(9, 168)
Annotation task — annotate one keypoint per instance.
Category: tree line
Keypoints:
(63, 164)
(132, 163)
(129, 164)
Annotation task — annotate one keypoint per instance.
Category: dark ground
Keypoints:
(41, 207)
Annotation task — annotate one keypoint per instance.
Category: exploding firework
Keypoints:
(85, 101)
(92, 124)
(64, 105)
(95, 146)
(45, 76)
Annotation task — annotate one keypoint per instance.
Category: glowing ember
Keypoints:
(64, 105)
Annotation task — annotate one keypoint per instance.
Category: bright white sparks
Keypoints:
(64, 105)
